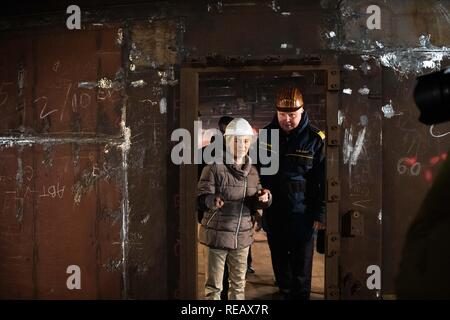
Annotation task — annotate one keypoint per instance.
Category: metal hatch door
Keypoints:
(360, 205)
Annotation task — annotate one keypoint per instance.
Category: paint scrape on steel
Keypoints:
(364, 91)
(106, 83)
(168, 77)
(347, 91)
(163, 106)
(352, 152)
(119, 39)
(341, 117)
(113, 265)
(358, 147)
(388, 110)
(145, 220)
(414, 61)
(103, 83)
(87, 181)
(138, 84)
(349, 67)
(330, 34)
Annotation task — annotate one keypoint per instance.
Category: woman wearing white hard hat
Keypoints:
(228, 192)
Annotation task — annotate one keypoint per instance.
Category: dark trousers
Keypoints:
(225, 283)
(292, 265)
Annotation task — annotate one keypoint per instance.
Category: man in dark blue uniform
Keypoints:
(298, 191)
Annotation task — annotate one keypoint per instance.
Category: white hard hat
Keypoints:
(239, 127)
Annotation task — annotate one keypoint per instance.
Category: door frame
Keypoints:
(189, 99)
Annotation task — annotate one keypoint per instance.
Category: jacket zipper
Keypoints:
(240, 214)
(207, 223)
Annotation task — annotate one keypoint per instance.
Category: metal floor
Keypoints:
(260, 285)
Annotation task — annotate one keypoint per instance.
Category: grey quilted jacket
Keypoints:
(229, 227)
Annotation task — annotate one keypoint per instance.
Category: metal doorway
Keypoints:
(190, 100)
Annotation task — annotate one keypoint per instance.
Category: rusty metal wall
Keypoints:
(107, 88)
(412, 41)
(124, 214)
(61, 180)
(152, 217)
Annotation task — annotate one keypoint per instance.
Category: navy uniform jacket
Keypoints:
(298, 189)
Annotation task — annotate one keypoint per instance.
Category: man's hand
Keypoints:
(218, 202)
(263, 195)
(258, 220)
(319, 225)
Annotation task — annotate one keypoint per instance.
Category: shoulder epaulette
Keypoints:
(319, 132)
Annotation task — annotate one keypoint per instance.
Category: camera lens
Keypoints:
(432, 96)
